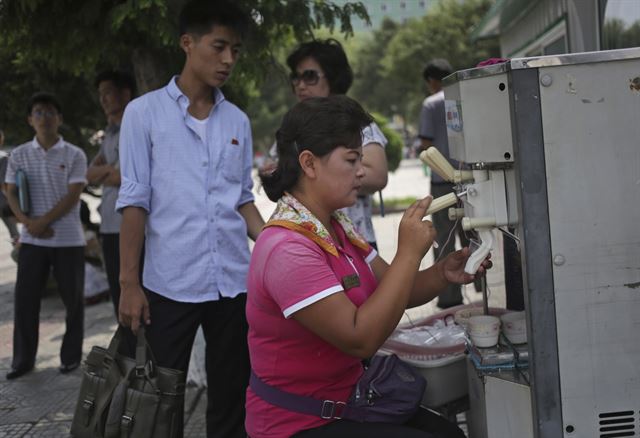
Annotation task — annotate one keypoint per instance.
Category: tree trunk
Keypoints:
(151, 69)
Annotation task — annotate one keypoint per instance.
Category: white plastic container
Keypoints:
(514, 327)
(484, 330)
(446, 379)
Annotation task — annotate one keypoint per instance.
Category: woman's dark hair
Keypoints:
(319, 125)
(199, 16)
(331, 57)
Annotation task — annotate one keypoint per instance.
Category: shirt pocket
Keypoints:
(232, 159)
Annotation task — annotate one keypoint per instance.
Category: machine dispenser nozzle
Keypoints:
(434, 159)
(477, 257)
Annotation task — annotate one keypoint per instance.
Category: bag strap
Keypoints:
(326, 409)
(114, 344)
(145, 360)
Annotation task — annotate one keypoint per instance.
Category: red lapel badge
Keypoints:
(235, 141)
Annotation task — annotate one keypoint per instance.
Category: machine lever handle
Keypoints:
(442, 202)
(438, 162)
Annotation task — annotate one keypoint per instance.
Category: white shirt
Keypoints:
(360, 213)
(49, 174)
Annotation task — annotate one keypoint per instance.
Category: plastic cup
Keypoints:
(484, 330)
(514, 327)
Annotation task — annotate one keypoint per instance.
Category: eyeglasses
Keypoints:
(309, 77)
(42, 114)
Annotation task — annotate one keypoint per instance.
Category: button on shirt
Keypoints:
(49, 173)
(109, 218)
(196, 240)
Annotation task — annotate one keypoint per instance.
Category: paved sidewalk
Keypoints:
(41, 404)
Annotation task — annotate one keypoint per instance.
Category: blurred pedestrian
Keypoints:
(115, 90)
(7, 215)
(433, 132)
(186, 160)
(52, 235)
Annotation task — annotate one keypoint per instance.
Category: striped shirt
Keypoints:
(49, 174)
(196, 246)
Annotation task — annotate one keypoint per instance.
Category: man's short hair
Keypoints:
(437, 69)
(199, 16)
(122, 80)
(44, 99)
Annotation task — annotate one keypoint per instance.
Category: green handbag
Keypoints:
(121, 397)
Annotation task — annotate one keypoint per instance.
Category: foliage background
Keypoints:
(60, 46)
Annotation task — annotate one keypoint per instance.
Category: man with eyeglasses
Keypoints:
(52, 235)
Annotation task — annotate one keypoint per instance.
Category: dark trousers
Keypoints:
(34, 265)
(111, 255)
(171, 335)
(425, 424)
(453, 295)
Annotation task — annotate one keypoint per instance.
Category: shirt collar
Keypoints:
(176, 94)
(35, 144)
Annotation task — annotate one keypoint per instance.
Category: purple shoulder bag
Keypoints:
(389, 391)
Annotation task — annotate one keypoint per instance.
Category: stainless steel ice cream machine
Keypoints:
(551, 150)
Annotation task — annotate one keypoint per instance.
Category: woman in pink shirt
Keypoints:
(320, 299)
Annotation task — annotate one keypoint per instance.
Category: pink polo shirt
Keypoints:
(288, 272)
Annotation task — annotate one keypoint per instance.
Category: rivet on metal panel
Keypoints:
(546, 80)
(558, 260)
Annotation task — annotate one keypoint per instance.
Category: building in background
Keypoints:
(398, 10)
(550, 27)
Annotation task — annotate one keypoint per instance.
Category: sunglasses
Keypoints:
(309, 77)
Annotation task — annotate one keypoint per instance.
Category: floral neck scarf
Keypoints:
(291, 214)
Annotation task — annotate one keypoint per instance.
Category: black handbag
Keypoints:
(389, 391)
(122, 397)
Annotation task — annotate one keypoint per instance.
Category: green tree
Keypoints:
(370, 87)
(60, 46)
(613, 34)
(391, 83)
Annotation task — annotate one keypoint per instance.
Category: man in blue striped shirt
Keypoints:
(52, 236)
(185, 160)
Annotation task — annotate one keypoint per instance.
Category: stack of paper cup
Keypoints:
(484, 330)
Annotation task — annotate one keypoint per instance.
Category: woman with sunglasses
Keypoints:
(320, 68)
(320, 299)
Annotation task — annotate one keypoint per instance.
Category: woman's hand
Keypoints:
(415, 236)
(453, 267)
